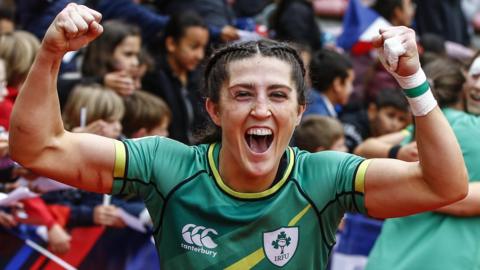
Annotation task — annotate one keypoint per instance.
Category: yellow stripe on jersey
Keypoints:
(360, 176)
(120, 160)
(249, 261)
(258, 255)
(253, 195)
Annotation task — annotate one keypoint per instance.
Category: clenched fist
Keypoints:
(404, 40)
(74, 27)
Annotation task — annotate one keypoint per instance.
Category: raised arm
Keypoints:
(38, 140)
(397, 188)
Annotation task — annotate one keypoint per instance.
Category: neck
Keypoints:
(460, 105)
(177, 70)
(238, 179)
(330, 95)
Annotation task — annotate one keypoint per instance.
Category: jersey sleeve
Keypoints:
(151, 164)
(336, 180)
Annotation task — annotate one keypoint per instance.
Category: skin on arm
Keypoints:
(38, 140)
(468, 207)
(398, 188)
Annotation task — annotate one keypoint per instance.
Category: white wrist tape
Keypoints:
(418, 92)
(392, 49)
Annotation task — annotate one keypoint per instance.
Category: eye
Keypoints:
(278, 95)
(242, 94)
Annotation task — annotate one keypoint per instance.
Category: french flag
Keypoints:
(360, 25)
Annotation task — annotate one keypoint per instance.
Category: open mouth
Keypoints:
(259, 139)
(475, 96)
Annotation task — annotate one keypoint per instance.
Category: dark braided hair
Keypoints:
(216, 72)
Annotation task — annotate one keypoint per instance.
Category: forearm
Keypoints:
(468, 207)
(36, 118)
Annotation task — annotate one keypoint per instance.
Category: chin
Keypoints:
(259, 169)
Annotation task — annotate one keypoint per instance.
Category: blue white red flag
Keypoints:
(360, 25)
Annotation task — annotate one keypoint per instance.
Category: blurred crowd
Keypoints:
(141, 78)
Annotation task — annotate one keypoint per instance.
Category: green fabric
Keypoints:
(434, 241)
(417, 91)
(187, 205)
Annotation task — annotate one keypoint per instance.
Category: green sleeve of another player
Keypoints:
(150, 164)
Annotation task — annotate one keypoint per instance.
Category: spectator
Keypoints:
(294, 20)
(472, 93)
(145, 115)
(217, 14)
(318, 133)
(444, 18)
(7, 16)
(175, 77)
(18, 49)
(104, 111)
(388, 114)
(331, 76)
(112, 60)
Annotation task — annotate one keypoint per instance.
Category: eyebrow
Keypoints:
(251, 86)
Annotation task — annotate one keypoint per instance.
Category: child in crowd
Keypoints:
(175, 76)
(104, 111)
(18, 49)
(331, 76)
(112, 60)
(389, 113)
(318, 133)
(145, 115)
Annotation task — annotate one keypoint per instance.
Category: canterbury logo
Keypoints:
(198, 235)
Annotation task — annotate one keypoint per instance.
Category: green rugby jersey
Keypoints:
(200, 223)
(430, 240)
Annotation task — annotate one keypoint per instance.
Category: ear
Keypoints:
(301, 110)
(337, 84)
(213, 111)
(170, 44)
(372, 111)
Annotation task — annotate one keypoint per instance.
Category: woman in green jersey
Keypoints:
(248, 201)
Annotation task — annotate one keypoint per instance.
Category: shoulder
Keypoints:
(323, 162)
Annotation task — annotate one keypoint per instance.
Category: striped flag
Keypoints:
(360, 25)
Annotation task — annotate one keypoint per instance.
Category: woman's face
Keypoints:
(190, 49)
(257, 112)
(125, 55)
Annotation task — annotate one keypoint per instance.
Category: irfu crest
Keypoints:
(280, 245)
(282, 241)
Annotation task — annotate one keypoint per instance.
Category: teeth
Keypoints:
(259, 131)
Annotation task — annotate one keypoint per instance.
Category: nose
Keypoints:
(134, 62)
(397, 124)
(261, 108)
(200, 54)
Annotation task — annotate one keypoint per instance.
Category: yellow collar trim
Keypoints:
(248, 195)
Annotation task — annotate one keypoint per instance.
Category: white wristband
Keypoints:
(412, 81)
(422, 104)
(418, 92)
